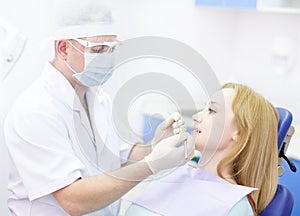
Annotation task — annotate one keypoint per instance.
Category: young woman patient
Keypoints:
(237, 173)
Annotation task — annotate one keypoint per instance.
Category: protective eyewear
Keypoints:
(92, 47)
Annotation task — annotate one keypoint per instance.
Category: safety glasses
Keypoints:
(92, 47)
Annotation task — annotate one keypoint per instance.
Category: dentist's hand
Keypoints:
(174, 124)
(170, 152)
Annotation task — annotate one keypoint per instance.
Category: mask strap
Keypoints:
(75, 47)
(66, 63)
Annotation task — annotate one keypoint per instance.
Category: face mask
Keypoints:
(98, 68)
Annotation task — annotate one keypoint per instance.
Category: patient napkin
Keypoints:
(191, 191)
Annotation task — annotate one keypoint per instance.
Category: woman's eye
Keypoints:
(210, 110)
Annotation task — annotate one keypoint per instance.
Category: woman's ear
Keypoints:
(61, 49)
(235, 135)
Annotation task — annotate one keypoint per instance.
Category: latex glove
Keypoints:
(174, 124)
(170, 152)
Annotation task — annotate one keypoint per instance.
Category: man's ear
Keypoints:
(61, 49)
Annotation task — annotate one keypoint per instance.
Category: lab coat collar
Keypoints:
(87, 122)
(58, 85)
(63, 90)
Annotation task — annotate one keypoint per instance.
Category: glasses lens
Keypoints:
(104, 47)
(101, 48)
(98, 49)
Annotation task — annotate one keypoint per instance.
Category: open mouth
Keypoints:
(196, 130)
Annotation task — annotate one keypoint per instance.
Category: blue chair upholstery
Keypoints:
(283, 201)
(285, 132)
(285, 121)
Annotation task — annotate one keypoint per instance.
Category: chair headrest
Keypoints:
(285, 121)
(282, 203)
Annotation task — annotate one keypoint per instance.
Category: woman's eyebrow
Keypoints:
(213, 103)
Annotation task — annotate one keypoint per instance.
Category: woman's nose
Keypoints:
(197, 117)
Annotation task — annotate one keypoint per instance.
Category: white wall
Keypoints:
(236, 43)
(253, 56)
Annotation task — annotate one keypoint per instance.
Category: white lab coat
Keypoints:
(51, 144)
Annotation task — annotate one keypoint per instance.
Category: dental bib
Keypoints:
(191, 191)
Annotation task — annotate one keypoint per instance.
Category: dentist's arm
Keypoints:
(94, 193)
(90, 194)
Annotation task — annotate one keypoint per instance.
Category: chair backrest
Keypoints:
(285, 122)
(283, 201)
(285, 132)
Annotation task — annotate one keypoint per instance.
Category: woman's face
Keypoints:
(214, 127)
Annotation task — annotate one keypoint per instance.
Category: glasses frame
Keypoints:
(110, 44)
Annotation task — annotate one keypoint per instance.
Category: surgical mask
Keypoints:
(98, 67)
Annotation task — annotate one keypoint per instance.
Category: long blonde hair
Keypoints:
(254, 156)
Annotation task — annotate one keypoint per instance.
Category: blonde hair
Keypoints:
(253, 157)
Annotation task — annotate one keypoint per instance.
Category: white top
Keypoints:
(52, 143)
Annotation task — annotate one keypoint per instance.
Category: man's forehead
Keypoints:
(101, 38)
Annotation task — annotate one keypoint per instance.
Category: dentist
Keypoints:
(66, 158)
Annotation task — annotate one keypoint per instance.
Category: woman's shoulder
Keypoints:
(242, 207)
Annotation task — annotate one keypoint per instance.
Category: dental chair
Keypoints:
(283, 201)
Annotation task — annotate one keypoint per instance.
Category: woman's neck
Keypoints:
(211, 164)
